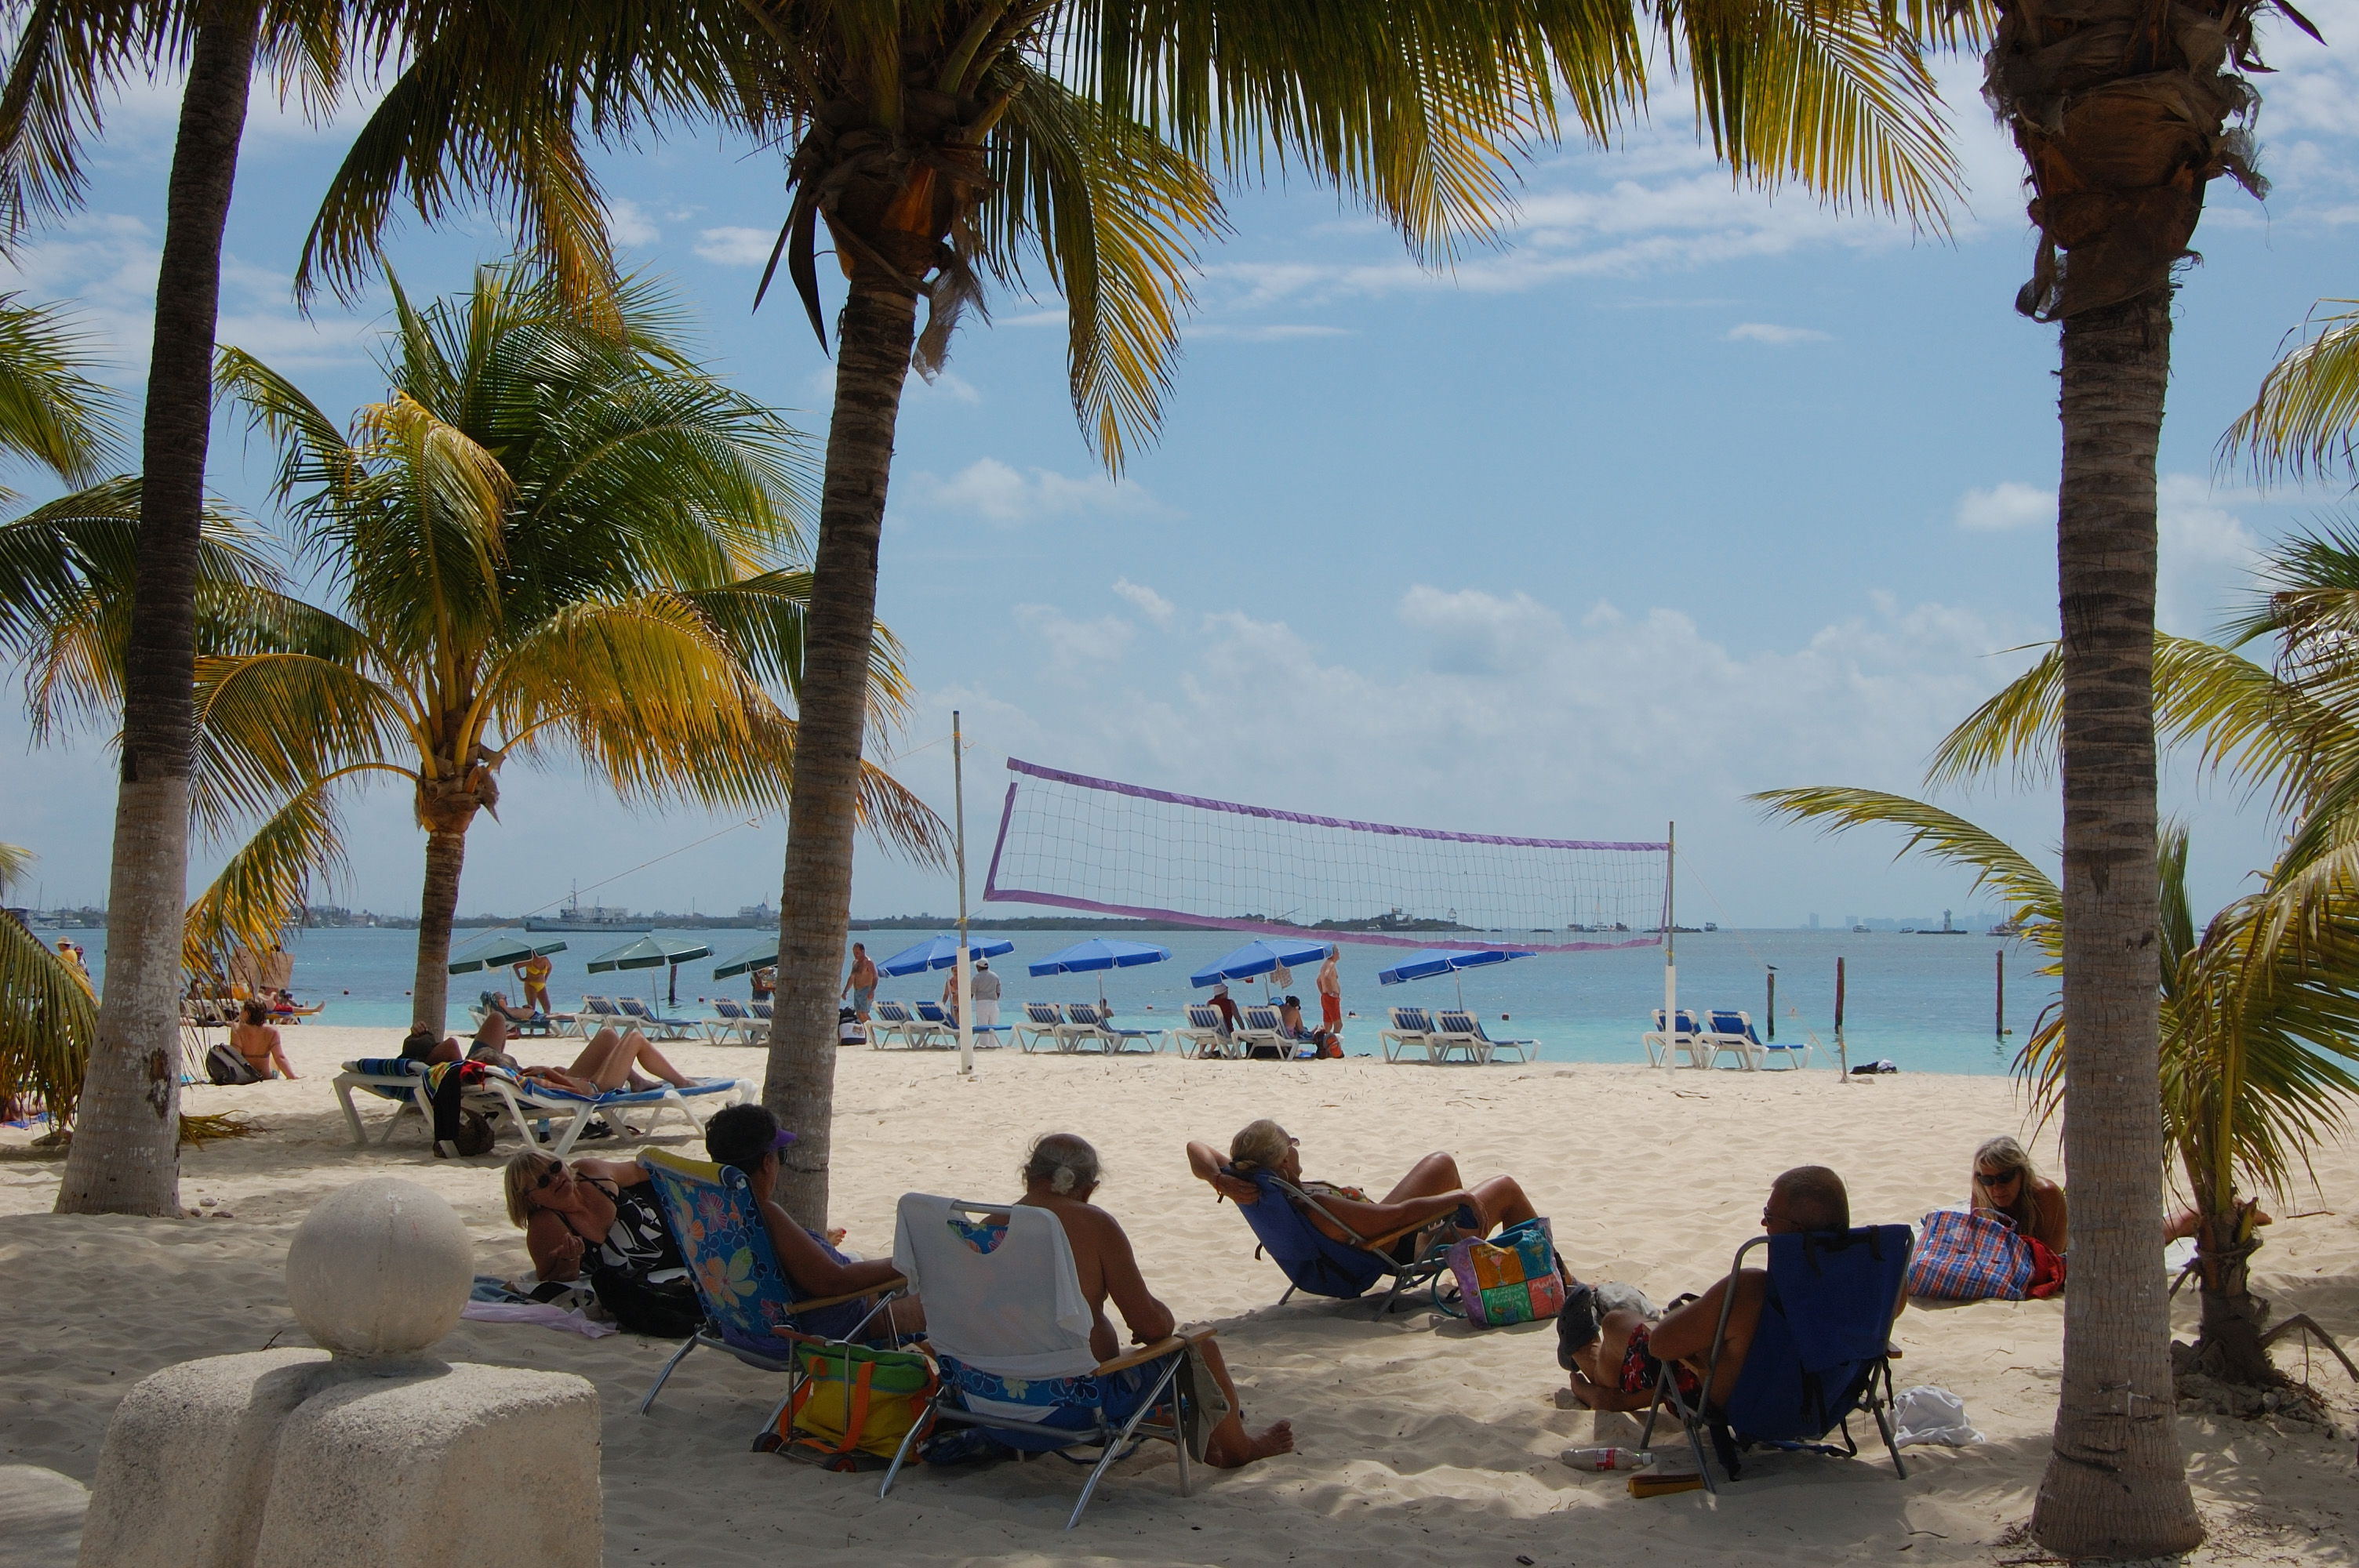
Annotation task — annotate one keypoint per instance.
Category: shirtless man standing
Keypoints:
(1331, 998)
(860, 984)
(1617, 1371)
(1059, 1176)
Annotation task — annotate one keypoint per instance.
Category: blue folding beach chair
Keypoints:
(1318, 1264)
(750, 1310)
(1822, 1352)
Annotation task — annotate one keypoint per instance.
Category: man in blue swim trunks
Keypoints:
(1059, 1177)
(860, 984)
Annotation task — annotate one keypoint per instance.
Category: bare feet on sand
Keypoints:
(1227, 1454)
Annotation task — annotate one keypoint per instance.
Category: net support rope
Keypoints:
(1071, 841)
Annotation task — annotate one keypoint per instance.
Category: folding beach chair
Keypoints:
(750, 1310)
(1202, 1036)
(1685, 1040)
(1040, 1022)
(1007, 1323)
(1409, 1032)
(1318, 1264)
(1730, 1034)
(1822, 1352)
(1465, 1027)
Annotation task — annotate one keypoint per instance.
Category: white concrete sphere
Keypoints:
(379, 1268)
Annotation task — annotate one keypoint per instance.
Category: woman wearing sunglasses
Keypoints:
(2004, 1182)
(599, 1218)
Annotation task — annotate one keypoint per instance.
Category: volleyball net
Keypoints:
(1070, 841)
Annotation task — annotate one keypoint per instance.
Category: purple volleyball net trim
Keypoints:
(1071, 841)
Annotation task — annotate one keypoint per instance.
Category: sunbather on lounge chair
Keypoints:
(747, 1136)
(423, 1044)
(613, 1059)
(1617, 1369)
(1059, 1175)
(598, 1218)
(1431, 1195)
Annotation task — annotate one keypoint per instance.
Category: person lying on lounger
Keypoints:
(610, 1061)
(747, 1137)
(1060, 1174)
(1617, 1369)
(1431, 1203)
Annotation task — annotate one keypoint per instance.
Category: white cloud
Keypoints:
(2007, 504)
(1075, 644)
(736, 247)
(1777, 336)
(631, 223)
(992, 490)
(2207, 556)
(1151, 604)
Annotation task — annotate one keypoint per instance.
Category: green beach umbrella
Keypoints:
(501, 952)
(650, 953)
(761, 957)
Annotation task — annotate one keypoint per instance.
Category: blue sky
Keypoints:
(1683, 493)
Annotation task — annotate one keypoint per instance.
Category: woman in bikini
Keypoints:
(600, 1217)
(2005, 1181)
(254, 1040)
(1431, 1199)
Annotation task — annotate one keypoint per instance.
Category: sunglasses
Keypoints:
(548, 1175)
(1998, 1179)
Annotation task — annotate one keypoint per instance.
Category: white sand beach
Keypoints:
(1421, 1441)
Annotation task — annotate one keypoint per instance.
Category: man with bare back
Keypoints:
(1059, 1176)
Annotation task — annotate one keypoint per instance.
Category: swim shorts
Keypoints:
(861, 997)
(1331, 1007)
(1641, 1370)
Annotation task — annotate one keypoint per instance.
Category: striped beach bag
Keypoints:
(1976, 1257)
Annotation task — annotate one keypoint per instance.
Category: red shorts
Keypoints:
(1331, 1007)
(1641, 1370)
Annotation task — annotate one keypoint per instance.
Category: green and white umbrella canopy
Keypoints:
(502, 952)
(649, 953)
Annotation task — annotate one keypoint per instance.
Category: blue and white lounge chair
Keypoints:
(1009, 1328)
(892, 1020)
(395, 1078)
(555, 1118)
(597, 1012)
(733, 1025)
(1318, 1264)
(750, 1310)
(1728, 1033)
(1040, 1022)
(1257, 1030)
(1822, 1352)
(1104, 1032)
(656, 1026)
(1410, 1031)
(1685, 1041)
(1202, 1035)
(1456, 1025)
(935, 1015)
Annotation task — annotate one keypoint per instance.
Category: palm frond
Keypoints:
(71, 59)
(15, 861)
(51, 412)
(2030, 894)
(261, 889)
(2301, 421)
(273, 723)
(47, 1022)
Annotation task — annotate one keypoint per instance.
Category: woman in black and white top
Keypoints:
(600, 1218)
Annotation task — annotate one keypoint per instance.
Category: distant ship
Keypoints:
(597, 917)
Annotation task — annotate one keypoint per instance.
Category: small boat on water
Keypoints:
(597, 917)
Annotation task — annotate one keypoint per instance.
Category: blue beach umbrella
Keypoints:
(501, 952)
(1260, 958)
(1432, 961)
(1101, 953)
(939, 953)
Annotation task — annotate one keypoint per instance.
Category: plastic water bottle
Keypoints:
(1608, 1458)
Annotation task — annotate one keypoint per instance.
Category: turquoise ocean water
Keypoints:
(1925, 1002)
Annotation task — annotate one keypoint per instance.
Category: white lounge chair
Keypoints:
(892, 1020)
(1040, 1022)
(1087, 1024)
(1257, 1027)
(1458, 1026)
(1203, 1036)
(1685, 1040)
(735, 1026)
(654, 1025)
(1412, 1029)
(1727, 1033)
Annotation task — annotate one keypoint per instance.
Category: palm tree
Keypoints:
(940, 141)
(2259, 1035)
(550, 539)
(2122, 112)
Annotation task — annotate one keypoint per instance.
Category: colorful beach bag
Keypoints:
(853, 1401)
(1512, 1278)
(1976, 1257)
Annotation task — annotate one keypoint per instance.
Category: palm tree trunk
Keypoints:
(438, 905)
(2228, 1341)
(2116, 1484)
(125, 1157)
(878, 327)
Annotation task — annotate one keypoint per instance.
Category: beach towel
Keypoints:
(1005, 1301)
(1972, 1256)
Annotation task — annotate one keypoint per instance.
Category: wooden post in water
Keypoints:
(1998, 1023)
(1773, 1000)
(1842, 1057)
